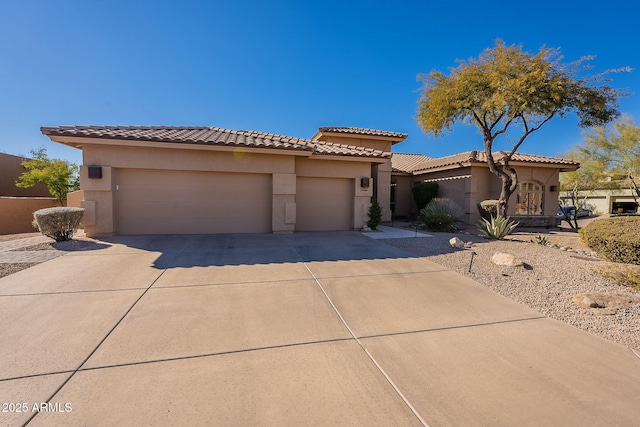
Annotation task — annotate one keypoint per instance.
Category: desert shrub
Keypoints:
(375, 215)
(615, 239)
(488, 209)
(622, 274)
(423, 193)
(541, 240)
(441, 215)
(58, 223)
(497, 227)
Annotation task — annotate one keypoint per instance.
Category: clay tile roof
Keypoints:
(211, 136)
(401, 162)
(362, 131)
(466, 158)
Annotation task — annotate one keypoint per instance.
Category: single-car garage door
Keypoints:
(324, 204)
(190, 202)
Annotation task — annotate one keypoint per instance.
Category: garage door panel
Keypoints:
(324, 204)
(176, 202)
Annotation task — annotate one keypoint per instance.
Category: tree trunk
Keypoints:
(507, 176)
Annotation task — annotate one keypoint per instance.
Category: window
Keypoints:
(529, 198)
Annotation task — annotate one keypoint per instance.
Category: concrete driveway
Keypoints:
(304, 329)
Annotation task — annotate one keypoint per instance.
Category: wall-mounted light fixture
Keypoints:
(94, 171)
(364, 182)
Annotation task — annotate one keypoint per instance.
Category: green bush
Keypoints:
(375, 215)
(488, 209)
(423, 193)
(615, 239)
(441, 215)
(497, 227)
(58, 223)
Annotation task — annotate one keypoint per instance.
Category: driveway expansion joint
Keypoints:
(448, 328)
(393, 385)
(103, 340)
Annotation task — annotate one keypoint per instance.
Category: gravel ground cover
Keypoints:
(549, 279)
(7, 269)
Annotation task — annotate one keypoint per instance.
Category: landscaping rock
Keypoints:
(603, 303)
(507, 260)
(456, 243)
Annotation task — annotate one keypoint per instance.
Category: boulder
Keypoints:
(456, 243)
(507, 260)
(604, 303)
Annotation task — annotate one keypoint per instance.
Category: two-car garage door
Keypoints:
(152, 201)
(191, 202)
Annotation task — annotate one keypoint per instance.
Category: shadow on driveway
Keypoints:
(249, 249)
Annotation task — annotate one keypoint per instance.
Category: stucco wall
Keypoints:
(16, 213)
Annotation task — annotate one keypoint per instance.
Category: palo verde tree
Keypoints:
(60, 176)
(578, 185)
(508, 90)
(618, 148)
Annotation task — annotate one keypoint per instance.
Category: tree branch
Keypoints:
(529, 132)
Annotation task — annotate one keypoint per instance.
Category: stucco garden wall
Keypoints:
(16, 213)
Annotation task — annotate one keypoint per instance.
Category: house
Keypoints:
(465, 178)
(618, 200)
(174, 180)
(170, 180)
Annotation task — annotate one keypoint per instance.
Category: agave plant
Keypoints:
(497, 228)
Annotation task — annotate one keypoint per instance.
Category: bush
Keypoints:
(441, 215)
(375, 215)
(58, 223)
(423, 193)
(497, 227)
(622, 274)
(488, 209)
(615, 239)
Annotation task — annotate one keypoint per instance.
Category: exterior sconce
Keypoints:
(364, 182)
(553, 188)
(94, 172)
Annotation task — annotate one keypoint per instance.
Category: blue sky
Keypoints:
(280, 66)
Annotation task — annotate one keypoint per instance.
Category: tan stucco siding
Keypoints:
(181, 159)
(324, 204)
(332, 168)
(188, 202)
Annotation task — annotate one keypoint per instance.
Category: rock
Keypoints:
(365, 229)
(604, 303)
(507, 260)
(456, 243)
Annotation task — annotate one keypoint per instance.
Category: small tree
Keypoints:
(618, 149)
(60, 176)
(505, 89)
(375, 215)
(581, 183)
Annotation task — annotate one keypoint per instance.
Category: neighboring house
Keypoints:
(465, 178)
(171, 180)
(603, 201)
(10, 170)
